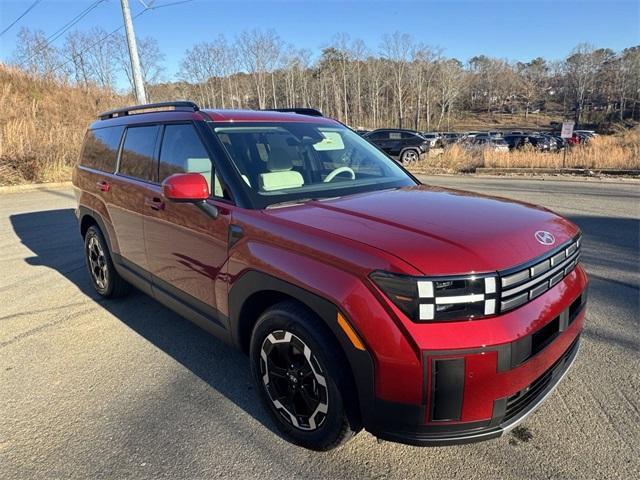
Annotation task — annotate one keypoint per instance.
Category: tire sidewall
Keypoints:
(327, 435)
(94, 232)
(403, 158)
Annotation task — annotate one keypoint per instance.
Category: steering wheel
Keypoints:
(334, 173)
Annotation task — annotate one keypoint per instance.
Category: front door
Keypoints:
(186, 248)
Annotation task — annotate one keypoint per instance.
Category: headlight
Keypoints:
(425, 299)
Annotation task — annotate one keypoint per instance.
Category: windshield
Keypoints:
(284, 162)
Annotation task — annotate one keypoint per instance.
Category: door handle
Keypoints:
(103, 186)
(154, 203)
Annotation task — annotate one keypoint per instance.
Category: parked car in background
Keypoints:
(485, 143)
(554, 145)
(518, 141)
(433, 138)
(403, 145)
(473, 134)
(589, 133)
(449, 138)
(362, 132)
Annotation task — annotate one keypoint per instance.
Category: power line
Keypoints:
(171, 4)
(58, 33)
(18, 19)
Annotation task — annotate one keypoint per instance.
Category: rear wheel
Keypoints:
(409, 156)
(295, 364)
(104, 277)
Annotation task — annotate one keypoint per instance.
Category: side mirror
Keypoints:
(186, 188)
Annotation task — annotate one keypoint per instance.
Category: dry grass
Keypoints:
(619, 151)
(42, 126)
(43, 123)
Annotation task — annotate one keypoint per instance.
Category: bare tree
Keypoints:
(35, 55)
(259, 52)
(75, 44)
(449, 84)
(397, 50)
(581, 66)
(151, 58)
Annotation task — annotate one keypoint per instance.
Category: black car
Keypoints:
(403, 145)
(519, 141)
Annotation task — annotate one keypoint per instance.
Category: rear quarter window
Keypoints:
(100, 150)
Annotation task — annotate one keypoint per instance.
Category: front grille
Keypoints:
(522, 284)
(519, 402)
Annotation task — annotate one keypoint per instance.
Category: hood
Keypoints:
(438, 231)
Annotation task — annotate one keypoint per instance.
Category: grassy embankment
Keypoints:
(42, 126)
(43, 123)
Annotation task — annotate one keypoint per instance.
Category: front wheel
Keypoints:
(294, 362)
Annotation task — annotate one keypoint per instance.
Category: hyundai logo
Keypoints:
(545, 238)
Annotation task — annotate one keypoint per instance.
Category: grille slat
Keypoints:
(525, 284)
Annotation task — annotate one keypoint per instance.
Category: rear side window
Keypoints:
(137, 157)
(409, 135)
(101, 148)
(382, 135)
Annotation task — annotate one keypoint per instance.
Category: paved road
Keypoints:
(98, 389)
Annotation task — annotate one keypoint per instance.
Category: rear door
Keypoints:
(130, 191)
(395, 143)
(186, 248)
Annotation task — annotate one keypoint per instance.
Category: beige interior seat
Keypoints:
(203, 167)
(280, 173)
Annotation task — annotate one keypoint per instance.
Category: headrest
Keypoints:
(279, 160)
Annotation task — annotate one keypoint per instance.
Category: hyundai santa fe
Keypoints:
(363, 298)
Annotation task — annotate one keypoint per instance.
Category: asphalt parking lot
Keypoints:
(127, 389)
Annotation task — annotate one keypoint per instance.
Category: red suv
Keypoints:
(363, 298)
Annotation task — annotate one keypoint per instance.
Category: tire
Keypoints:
(292, 355)
(408, 156)
(104, 277)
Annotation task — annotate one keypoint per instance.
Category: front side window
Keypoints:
(137, 157)
(182, 151)
(285, 162)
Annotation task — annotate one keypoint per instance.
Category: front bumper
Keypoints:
(508, 413)
(475, 394)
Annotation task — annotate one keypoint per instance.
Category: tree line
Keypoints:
(400, 82)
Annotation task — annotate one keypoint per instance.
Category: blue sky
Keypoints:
(516, 30)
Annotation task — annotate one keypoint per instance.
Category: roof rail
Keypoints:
(120, 112)
(311, 112)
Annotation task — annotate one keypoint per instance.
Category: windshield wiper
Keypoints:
(300, 201)
(288, 203)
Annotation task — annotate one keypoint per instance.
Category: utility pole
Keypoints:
(133, 53)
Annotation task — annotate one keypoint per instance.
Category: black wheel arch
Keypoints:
(255, 291)
(405, 149)
(88, 217)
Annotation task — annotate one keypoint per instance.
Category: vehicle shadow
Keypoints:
(221, 366)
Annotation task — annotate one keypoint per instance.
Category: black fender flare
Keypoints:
(360, 362)
(88, 212)
(416, 149)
